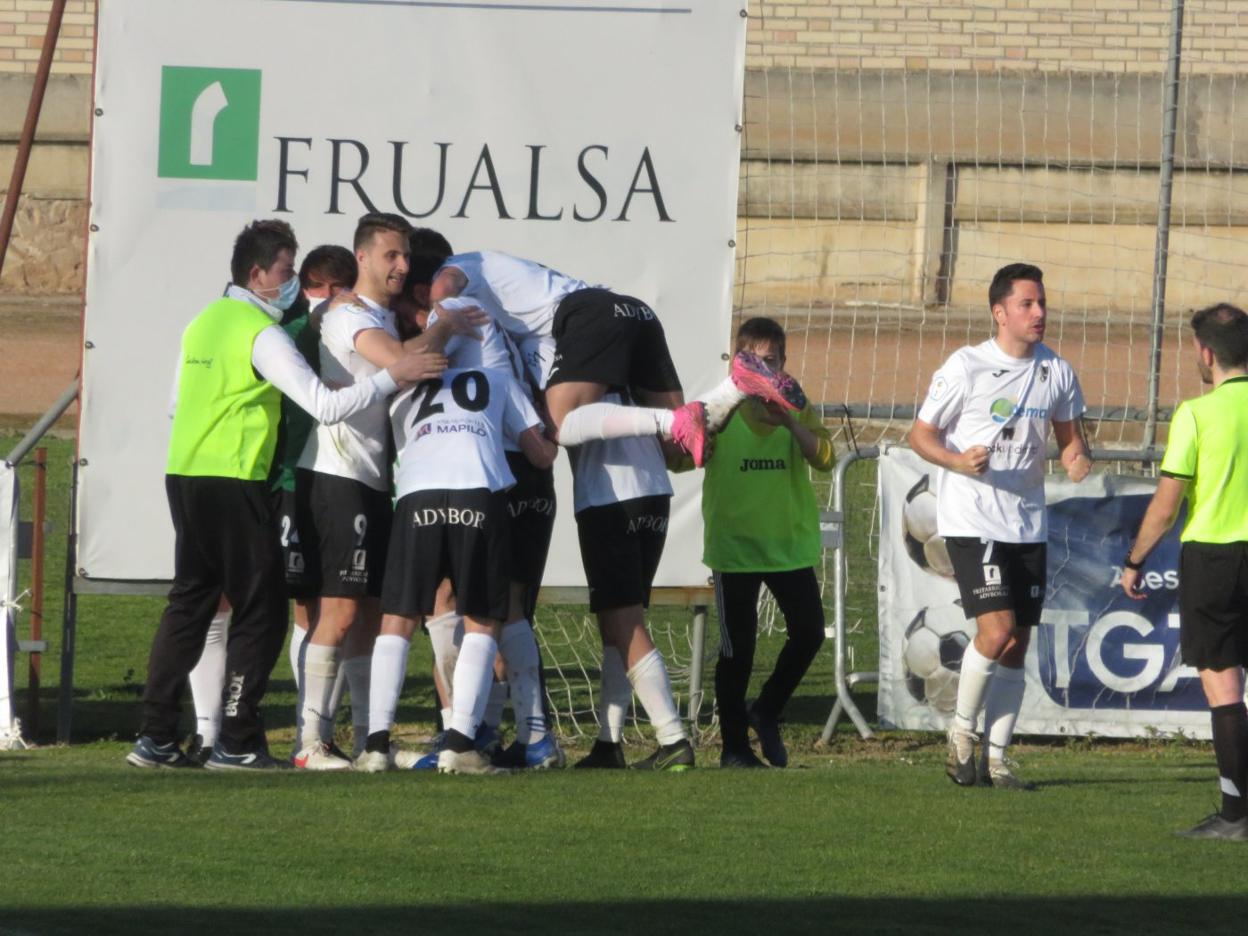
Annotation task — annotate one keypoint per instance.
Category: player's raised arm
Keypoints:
(925, 440)
(1072, 448)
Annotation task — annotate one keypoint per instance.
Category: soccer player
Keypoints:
(324, 271)
(761, 526)
(985, 424)
(531, 506)
(235, 363)
(345, 469)
(451, 522)
(1206, 461)
(603, 342)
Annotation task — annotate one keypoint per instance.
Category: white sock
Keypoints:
(617, 696)
(298, 636)
(389, 665)
(595, 422)
(474, 674)
(650, 682)
(973, 681)
(320, 670)
(357, 672)
(298, 645)
(1001, 706)
(446, 715)
(445, 633)
(494, 704)
(207, 680)
(519, 649)
(720, 401)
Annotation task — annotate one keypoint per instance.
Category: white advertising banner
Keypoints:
(597, 138)
(1098, 663)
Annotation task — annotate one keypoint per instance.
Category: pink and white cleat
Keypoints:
(689, 430)
(751, 375)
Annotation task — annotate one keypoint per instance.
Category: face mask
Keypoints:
(287, 293)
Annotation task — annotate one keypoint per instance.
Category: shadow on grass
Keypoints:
(881, 915)
(113, 712)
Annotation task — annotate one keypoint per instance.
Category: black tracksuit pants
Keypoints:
(736, 595)
(226, 543)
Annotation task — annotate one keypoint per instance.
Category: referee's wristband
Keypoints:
(1133, 566)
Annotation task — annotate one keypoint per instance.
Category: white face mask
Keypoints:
(287, 293)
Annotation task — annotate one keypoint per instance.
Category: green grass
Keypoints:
(856, 837)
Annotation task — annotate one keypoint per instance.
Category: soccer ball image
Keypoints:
(932, 656)
(918, 518)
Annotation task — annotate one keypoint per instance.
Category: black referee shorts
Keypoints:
(1213, 605)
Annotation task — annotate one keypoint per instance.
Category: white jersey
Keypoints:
(356, 447)
(982, 396)
(615, 470)
(520, 294)
(493, 351)
(450, 431)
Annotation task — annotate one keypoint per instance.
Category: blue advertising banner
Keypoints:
(1099, 662)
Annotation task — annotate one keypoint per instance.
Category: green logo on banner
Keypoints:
(209, 123)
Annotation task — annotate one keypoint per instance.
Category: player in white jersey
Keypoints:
(451, 522)
(348, 484)
(985, 424)
(531, 505)
(604, 342)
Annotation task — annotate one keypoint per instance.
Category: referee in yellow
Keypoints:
(1207, 460)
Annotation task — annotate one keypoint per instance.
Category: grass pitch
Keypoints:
(859, 837)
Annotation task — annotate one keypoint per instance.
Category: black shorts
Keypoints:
(621, 545)
(531, 505)
(604, 338)
(303, 578)
(347, 533)
(460, 535)
(1213, 605)
(996, 576)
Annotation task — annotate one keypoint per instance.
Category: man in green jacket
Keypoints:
(235, 364)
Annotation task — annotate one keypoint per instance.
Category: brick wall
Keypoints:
(23, 24)
(1035, 35)
(986, 35)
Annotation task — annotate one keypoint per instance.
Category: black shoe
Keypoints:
(1217, 827)
(149, 753)
(196, 753)
(675, 757)
(221, 759)
(767, 727)
(511, 757)
(604, 755)
(736, 759)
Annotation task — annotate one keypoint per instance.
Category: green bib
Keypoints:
(758, 504)
(225, 424)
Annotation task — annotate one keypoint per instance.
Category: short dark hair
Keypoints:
(757, 330)
(370, 224)
(258, 244)
(429, 251)
(1003, 282)
(1223, 329)
(331, 262)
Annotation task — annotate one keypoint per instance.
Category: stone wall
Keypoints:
(1111, 36)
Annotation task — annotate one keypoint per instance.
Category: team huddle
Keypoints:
(402, 481)
(416, 492)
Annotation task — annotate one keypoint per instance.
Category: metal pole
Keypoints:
(1170, 116)
(69, 621)
(37, 547)
(844, 699)
(31, 439)
(698, 640)
(27, 140)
